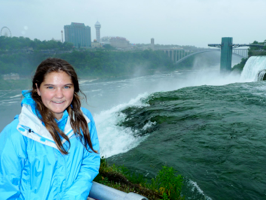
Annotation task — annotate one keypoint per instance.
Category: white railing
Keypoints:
(103, 192)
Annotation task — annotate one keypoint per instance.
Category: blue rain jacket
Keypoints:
(32, 167)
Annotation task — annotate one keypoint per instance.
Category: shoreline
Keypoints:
(25, 83)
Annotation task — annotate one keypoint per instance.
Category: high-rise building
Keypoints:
(98, 34)
(78, 34)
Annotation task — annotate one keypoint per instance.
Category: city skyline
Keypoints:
(179, 22)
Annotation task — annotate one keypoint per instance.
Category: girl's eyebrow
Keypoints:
(48, 84)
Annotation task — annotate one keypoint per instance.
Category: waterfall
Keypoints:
(253, 66)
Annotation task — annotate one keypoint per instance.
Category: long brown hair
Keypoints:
(77, 120)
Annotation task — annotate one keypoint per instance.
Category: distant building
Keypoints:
(78, 34)
(96, 44)
(105, 40)
(117, 42)
(98, 34)
(152, 43)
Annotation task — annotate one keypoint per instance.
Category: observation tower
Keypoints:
(98, 27)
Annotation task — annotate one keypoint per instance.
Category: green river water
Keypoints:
(213, 135)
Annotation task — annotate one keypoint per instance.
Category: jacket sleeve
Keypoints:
(80, 189)
(12, 158)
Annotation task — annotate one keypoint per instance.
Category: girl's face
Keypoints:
(56, 92)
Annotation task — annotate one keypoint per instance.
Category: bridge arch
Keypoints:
(192, 54)
(204, 51)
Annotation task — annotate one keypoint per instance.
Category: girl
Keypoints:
(51, 150)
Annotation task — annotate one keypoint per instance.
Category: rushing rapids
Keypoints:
(212, 135)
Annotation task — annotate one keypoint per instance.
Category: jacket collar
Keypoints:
(32, 127)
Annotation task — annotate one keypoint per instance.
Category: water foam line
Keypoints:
(116, 139)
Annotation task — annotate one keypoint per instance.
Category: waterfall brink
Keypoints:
(253, 66)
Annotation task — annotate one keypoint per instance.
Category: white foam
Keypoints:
(149, 124)
(116, 139)
(19, 95)
(198, 189)
(82, 82)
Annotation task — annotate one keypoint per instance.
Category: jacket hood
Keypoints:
(27, 100)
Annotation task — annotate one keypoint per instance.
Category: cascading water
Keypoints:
(252, 68)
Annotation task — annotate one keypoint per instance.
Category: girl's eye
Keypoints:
(50, 87)
(67, 87)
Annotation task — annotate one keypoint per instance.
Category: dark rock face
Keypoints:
(261, 75)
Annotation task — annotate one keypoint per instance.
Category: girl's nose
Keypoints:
(59, 93)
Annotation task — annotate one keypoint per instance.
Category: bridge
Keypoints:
(178, 55)
(227, 49)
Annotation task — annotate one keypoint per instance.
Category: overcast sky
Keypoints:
(180, 22)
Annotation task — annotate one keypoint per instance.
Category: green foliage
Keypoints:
(15, 44)
(22, 56)
(132, 177)
(166, 185)
(165, 197)
(239, 67)
(257, 51)
(108, 47)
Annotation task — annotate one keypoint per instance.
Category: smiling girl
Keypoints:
(51, 150)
